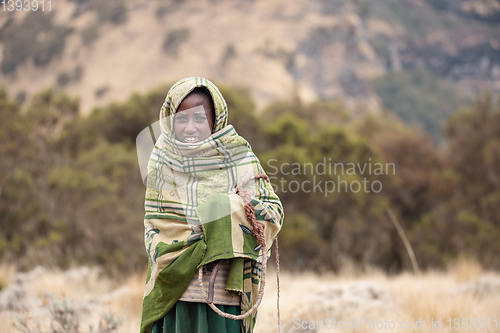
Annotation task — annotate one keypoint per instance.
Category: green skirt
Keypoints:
(189, 317)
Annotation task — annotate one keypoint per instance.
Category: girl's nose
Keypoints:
(190, 126)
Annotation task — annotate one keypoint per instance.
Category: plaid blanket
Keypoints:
(193, 214)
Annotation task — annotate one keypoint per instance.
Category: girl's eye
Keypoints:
(181, 119)
(201, 119)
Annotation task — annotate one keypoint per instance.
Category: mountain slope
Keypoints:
(322, 49)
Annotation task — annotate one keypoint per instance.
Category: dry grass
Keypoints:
(423, 298)
(75, 284)
(465, 269)
(7, 272)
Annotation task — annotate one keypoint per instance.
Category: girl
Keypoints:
(194, 216)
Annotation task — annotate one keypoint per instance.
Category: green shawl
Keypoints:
(193, 214)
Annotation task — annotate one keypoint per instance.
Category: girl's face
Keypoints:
(194, 119)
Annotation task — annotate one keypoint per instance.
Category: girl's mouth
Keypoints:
(191, 139)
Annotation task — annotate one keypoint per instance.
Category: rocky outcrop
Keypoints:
(482, 287)
(459, 40)
(355, 299)
(18, 298)
(480, 10)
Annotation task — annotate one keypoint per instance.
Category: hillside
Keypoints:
(103, 51)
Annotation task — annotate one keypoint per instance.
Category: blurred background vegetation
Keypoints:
(71, 191)
(420, 97)
(362, 81)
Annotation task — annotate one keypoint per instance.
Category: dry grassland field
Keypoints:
(359, 302)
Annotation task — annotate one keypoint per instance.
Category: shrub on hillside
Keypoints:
(420, 98)
(35, 38)
(174, 39)
(73, 193)
(90, 34)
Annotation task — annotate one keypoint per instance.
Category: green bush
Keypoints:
(72, 191)
(420, 98)
(63, 79)
(90, 34)
(111, 11)
(36, 38)
(174, 39)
